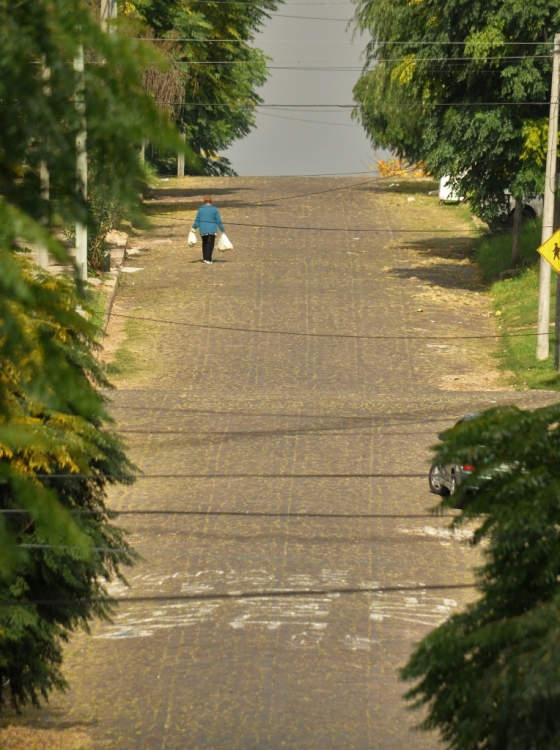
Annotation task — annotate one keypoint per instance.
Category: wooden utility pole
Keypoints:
(543, 319)
(81, 161)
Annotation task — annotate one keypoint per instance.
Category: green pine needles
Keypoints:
(490, 677)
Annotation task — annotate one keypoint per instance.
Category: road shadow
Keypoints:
(196, 193)
(450, 275)
(173, 200)
(163, 207)
(45, 718)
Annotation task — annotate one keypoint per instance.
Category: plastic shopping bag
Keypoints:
(224, 244)
(191, 242)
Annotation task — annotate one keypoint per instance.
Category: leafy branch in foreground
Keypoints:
(490, 676)
(53, 418)
(46, 432)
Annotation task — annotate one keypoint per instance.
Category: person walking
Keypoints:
(208, 219)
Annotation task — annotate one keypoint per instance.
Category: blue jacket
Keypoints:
(208, 219)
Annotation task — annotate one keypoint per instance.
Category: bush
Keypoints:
(489, 677)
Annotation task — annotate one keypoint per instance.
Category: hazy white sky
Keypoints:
(300, 141)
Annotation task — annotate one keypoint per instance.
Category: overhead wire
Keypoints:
(345, 41)
(248, 514)
(396, 418)
(311, 18)
(317, 122)
(354, 230)
(231, 475)
(380, 337)
(256, 5)
(239, 595)
(334, 107)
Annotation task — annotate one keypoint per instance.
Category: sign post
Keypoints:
(550, 251)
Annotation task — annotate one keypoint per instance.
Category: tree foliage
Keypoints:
(490, 676)
(462, 86)
(57, 457)
(53, 419)
(218, 73)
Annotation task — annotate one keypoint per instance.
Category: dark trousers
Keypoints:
(208, 246)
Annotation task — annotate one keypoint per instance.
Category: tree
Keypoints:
(54, 463)
(53, 420)
(463, 87)
(217, 78)
(490, 676)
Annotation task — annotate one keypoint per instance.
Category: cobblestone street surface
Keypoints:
(268, 391)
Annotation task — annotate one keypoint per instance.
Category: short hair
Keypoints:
(207, 198)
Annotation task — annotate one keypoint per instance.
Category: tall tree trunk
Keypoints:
(516, 237)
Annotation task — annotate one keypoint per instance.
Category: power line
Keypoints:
(236, 595)
(249, 514)
(354, 230)
(247, 475)
(466, 43)
(312, 18)
(316, 122)
(346, 186)
(358, 417)
(338, 68)
(314, 67)
(349, 41)
(241, 2)
(326, 335)
(256, 4)
(314, 107)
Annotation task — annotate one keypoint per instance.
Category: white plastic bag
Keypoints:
(191, 242)
(224, 244)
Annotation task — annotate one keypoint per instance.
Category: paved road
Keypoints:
(270, 391)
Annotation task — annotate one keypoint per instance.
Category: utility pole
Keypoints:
(181, 160)
(44, 177)
(108, 12)
(81, 161)
(543, 318)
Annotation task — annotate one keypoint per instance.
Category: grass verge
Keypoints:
(126, 360)
(97, 307)
(29, 738)
(493, 255)
(515, 301)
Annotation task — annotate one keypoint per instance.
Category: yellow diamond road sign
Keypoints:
(550, 251)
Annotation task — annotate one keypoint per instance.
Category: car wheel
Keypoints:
(460, 500)
(436, 482)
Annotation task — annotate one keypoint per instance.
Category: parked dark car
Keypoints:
(444, 480)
